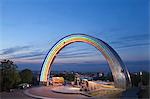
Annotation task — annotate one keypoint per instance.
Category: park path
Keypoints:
(130, 93)
(41, 92)
(17, 94)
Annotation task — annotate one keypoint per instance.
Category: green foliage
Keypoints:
(68, 77)
(109, 77)
(145, 78)
(26, 76)
(9, 76)
(137, 78)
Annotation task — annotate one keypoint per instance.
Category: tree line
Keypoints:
(10, 77)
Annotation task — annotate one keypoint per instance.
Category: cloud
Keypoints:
(41, 55)
(77, 54)
(133, 45)
(23, 53)
(28, 55)
(13, 49)
(74, 52)
(135, 37)
(131, 41)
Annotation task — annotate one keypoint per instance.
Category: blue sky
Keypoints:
(30, 27)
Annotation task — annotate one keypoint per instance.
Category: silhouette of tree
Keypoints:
(26, 76)
(9, 76)
(110, 77)
(68, 76)
(145, 78)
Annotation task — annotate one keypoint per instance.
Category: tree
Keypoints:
(145, 78)
(109, 77)
(26, 76)
(135, 79)
(9, 75)
(68, 77)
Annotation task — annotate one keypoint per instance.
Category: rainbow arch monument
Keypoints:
(119, 71)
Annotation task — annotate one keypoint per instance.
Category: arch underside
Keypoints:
(116, 65)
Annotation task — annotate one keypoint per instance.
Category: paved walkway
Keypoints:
(130, 93)
(51, 92)
(46, 93)
(67, 90)
(35, 96)
(17, 94)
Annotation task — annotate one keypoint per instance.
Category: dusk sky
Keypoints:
(29, 28)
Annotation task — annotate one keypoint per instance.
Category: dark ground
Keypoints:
(134, 93)
(16, 94)
(144, 93)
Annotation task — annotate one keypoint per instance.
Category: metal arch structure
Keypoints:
(119, 71)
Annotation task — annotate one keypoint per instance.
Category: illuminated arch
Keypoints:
(119, 71)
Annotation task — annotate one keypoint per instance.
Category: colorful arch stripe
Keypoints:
(119, 71)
